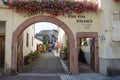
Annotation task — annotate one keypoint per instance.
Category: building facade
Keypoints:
(99, 25)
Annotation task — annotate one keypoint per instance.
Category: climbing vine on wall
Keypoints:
(55, 8)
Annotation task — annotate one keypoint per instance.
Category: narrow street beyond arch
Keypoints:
(46, 63)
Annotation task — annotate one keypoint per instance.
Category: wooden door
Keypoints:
(92, 54)
(2, 50)
(20, 54)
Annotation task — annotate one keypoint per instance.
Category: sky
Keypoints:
(44, 26)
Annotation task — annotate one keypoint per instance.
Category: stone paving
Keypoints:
(88, 76)
(38, 70)
(34, 76)
(47, 63)
(30, 78)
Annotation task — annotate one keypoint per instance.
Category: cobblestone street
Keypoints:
(46, 63)
(30, 78)
(87, 76)
(49, 67)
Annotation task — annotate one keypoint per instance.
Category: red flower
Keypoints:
(52, 8)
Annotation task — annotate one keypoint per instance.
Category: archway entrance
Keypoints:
(73, 61)
(88, 51)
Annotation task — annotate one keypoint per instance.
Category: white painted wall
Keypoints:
(62, 37)
(13, 20)
(101, 23)
(30, 30)
(104, 24)
(8, 18)
(110, 48)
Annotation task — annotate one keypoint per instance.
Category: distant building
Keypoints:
(51, 36)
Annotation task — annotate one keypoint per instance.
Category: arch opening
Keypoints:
(73, 62)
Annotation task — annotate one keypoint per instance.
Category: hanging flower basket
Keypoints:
(53, 8)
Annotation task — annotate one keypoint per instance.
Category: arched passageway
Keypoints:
(73, 60)
(88, 49)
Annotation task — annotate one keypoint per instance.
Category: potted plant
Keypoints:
(64, 53)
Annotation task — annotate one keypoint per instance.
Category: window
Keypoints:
(32, 40)
(27, 40)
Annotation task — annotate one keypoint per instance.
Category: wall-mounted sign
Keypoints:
(81, 18)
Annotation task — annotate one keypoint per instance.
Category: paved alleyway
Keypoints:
(47, 63)
(38, 70)
(87, 76)
(30, 78)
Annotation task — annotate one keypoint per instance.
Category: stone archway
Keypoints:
(73, 62)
